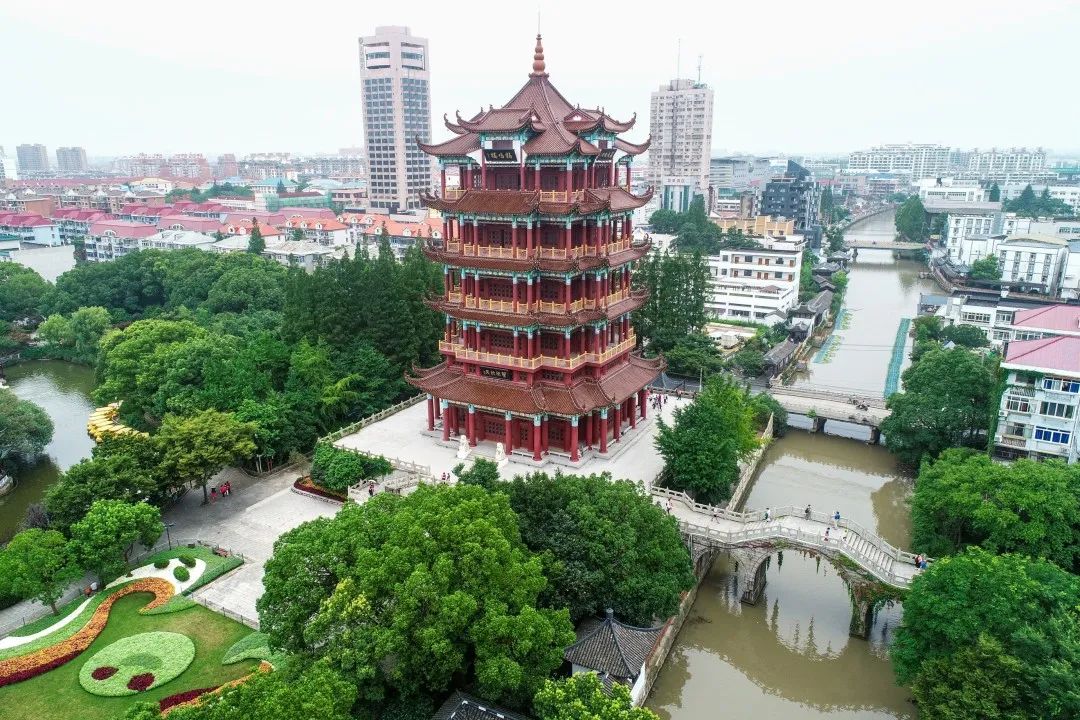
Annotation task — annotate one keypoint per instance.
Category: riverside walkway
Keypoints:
(787, 526)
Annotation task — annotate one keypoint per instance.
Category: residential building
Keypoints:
(302, 199)
(402, 231)
(538, 249)
(795, 196)
(729, 173)
(615, 651)
(918, 161)
(33, 159)
(759, 225)
(735, 204)
(9, 244)
(995, 162)
(189, 223)
(9, 170)
(1070, 278)
(971, 235)
(307, 255)
(1033, 262)
(349, 198)
(318, 230)
(680, 124)
(947, 189)
(1068, 194)
(71, 160)
(396, 98)
(756, 284)
(74, 224)
(27, 203)
(1038, 414)
(880, 186)
(111, 239)
(178, 240)
(460, 706)
(29, 228)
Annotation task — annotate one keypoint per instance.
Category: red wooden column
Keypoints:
(627, 177)
(630, 412)
(569, 240)
(483, 175)
(446, 421)
(544, 425)
(566, 342)
(574, 439)
(618, 422)
(442, 178)
(643, 401)
(536, 435)
(521, 175)
(529, 289)
(603, 430)
(470, 427)
(536, 177)
(508, 435)
(430, 413)
(567, 293)
(589, 430)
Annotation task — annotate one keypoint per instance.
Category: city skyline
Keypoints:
(805, 94)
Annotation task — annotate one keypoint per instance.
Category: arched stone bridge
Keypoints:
(751, 540)
(825, 405)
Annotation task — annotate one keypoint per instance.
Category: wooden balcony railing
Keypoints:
(550, 361)
(1016, 441)
(454, 297)
(453, 246)
(454, 193)
(561, 196)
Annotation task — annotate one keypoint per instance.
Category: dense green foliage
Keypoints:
(708, 439)
(1032, 508)
(37, 565)
(604, 543)
(696, 233)
(995, 193)
(1042, 205)
(986, 268)
(76, 337)
(337, 470)
(675, 309)
(911, 220)
(947, 401)
(977, 620)
(22, 292)
(407, 595)
(196, 447)
(582, 697)
(694, 355)
(104, 537)
(25, 429)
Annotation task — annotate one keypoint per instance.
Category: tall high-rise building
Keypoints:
(396, 94)
(920, 161)
(71, 159)
(681, 126)
(32, 159)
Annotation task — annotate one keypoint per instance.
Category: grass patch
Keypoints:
(255, 646)
(175, 604)
(57, 695)
(216, 566)
(42, 623)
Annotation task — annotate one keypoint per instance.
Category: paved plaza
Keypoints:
(403, 436)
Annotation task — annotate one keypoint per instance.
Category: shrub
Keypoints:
(142, 662)
(336, 469)
(255, 646)
(181, 573)
(186, 559)
(161, 564)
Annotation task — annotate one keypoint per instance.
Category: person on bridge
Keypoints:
(836, 519)
(767, 515)
(807, 512)
(826, 534)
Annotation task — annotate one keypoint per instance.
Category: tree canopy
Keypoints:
(582, 697)
(708, 439)
(195, 448)
(976, 620)
(965, 498)
(911, 220)
(604, 543)
(1030, 204)
(38, 565)
(675, 308)
(102, 540)
(22, 292)
(25, 429)
(404, 594)
(947, 401)
(986, 268)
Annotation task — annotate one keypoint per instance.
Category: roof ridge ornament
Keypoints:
(539, 67)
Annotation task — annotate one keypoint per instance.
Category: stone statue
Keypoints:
(463, 447)
(500, 455)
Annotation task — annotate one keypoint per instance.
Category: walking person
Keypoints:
(370, 489)
(668, 508)
(213, 494)
(806, 512)
(767, 515)
(826, 534)
(836, 519)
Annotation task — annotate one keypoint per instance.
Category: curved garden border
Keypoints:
(35, 663)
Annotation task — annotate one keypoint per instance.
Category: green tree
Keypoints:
(197, 447)
(25, 429)
(1009, 617)
(103, 539)
(582, 697)
(911, 220)
(947, 401)
(969, 336)
(709, 438)
(38, 565)
(336, 469)
(297, 235)
(675, 308)
(285, 694)
(256, 244)
(604, 543)
(749, 361)
(411, 594)
(995, 193)
(694, 355)
(664, 221)
(88, 325)
(834, 236)
(986, 268)
(56, 330)
(22, 292)
(1028, 204)
(965, 498)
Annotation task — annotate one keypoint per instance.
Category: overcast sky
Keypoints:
(789, 75)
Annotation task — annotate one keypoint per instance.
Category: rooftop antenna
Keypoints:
(699, 68)
(678, 58)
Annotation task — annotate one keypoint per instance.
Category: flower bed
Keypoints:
(138, 662)
(197, 700)
(305, 485)
(34, 663)
(182, 698)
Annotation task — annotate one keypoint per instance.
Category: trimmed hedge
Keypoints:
(186, 559)
(336, 469)
(161, 564)
(175, 604)
(139, 662)
(255, 646)
(181, 573)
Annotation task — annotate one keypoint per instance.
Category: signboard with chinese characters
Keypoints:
(498, 373)
(606, 155)
(500, 156)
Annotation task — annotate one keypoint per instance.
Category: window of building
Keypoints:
(975, 317)
(1050, 435)
(1018, 404)
(1056, 409)
(1061, 385)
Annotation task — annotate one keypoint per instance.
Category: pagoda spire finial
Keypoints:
(538, 58)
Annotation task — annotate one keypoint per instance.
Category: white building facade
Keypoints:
(917, 160)
(680, 124)
(755, 284)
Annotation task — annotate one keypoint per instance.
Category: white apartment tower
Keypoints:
(920, 161)
(71, 160)
(681, 128)
(396, 96)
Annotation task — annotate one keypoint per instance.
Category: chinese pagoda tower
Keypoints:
(536, 252)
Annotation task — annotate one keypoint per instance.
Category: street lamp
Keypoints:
(168, 535)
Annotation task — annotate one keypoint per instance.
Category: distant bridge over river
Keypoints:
(823, 405)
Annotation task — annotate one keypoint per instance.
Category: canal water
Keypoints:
(790, 656)
(63, 390)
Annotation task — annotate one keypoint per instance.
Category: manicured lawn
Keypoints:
(58, 695)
